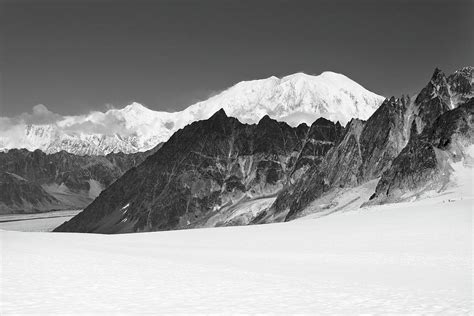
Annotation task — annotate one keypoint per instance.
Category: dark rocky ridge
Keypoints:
(461, 85)
(368, 149)
(57, 181)
(422, 164)
(204, 172)
(433, 100)
(21, 193)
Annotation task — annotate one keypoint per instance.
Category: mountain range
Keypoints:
(36, 182)
(397, 133)
(210, 173)
(295, 99)
(221, 171)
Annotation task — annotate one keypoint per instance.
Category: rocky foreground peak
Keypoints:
(400, 133)
(205, 174)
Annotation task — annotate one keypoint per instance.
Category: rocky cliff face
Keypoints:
(368, 148)
(424, 164)
(222, 172)
(441, 94)
(365, 151)
(19, 194)
(432, 101)
(205, 173)
(461, 86)
(35, 181)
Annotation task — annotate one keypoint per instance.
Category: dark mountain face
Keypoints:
(19, 193)
(368, 149)
(422, 164)
(221, 172)
(432, 101)
(461, 85)
(205, 173)
(57, 181)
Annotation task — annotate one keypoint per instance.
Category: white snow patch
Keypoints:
(340, 200)
(125, 208)
(407, 258)
(296, 98)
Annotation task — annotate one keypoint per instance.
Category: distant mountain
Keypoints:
(295, 99)
(35, 181)
(18, 195)
(213, 172)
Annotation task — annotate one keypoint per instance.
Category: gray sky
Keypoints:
(76, 56)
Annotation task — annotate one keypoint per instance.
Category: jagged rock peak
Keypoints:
(424, 164)
(437, 87)
(461, 84)
(437, 73)
(467, 71)
(219, 115)
(266, 120)
(208, 165)
(438, 79)
(323, 121)
(354, 124)
(394, 101)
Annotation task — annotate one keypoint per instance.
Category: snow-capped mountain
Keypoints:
(295, 99)
(220, 172)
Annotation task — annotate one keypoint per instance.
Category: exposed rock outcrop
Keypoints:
(424, 163)
(222, 172)
(368, 148)
(17, 193)
(365, 151)
(204, 173)
(42, 182)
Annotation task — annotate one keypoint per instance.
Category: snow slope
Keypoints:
(401, 258)
(295, 99)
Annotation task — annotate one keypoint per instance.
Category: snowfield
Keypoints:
(36, 222)
(402, 258)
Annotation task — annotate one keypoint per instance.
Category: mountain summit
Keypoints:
(294, 99)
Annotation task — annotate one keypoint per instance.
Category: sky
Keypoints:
(78, 56)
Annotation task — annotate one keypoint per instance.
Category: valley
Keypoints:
(37, 222)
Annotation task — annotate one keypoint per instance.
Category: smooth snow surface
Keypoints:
(295, 99)
(402, 258)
